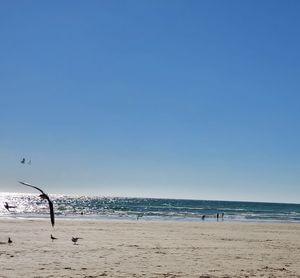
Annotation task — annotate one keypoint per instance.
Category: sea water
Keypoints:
(83, 207)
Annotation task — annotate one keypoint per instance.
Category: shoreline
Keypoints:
(148, 219)
(149, 249)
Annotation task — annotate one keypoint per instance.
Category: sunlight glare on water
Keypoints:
(84, 207)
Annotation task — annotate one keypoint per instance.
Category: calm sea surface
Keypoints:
(67, 207)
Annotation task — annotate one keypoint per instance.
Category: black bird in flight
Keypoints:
(23, 161)
(43, 196)
(7, 206)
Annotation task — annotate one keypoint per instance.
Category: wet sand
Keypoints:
(149, 249)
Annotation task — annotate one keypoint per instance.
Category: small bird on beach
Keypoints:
(43, 196)
(9, 241)
(75, 239)
(53, 238)
(7, 206)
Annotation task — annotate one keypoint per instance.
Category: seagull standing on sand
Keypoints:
(75, 239)
(7, 206)
(43, 196)
(9, 240)
(53, 238)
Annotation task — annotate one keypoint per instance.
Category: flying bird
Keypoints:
(53, 238)
(7, 206)
(75, 239)
(43, 196)
(23, 160)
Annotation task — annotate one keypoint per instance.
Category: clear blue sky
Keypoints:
(178, 99)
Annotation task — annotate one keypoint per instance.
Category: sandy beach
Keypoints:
(149, 249)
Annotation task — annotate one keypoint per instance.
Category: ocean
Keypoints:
(145, 209)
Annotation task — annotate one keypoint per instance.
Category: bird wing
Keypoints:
(48, 199)
(30, 185)
(51, 210)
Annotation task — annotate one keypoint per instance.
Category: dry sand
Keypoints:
(149, 249)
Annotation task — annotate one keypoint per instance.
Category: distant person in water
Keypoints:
(218, 216)
(203, 217)
(139, 215)
(222, 215)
